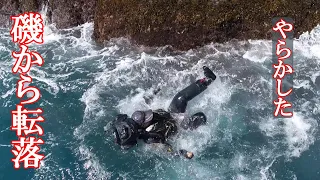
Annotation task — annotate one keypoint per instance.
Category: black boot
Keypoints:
(208, 73)
(210, 76)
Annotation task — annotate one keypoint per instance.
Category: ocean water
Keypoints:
(84, 86)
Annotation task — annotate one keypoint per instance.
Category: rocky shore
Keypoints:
(179, 23)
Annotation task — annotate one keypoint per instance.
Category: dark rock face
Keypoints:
(188, 24)
(181, 24)
(14, 7)
(71, 13)
(7, 8)
(64, 14)
(28, 5)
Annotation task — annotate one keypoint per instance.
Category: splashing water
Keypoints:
(84, 86)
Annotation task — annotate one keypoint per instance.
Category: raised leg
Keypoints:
(180, 100)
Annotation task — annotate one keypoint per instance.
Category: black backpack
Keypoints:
(125, 131)
(165, 124)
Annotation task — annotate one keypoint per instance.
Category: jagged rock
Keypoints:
(29, 5)
(64, 14)
(71, 13)
(14, 7)
(181, 24)
(303, 93)
(188, 24)
(7, 8)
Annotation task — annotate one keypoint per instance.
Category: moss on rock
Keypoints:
(188, 24)
(179, 23)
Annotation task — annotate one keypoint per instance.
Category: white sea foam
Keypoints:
(8, 93)
(118, 67)
(92, 165)
(300, 133)
(129, 71)
(259, 51)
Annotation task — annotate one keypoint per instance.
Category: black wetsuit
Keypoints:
(164, 123)
(161, 127)
(156, 126)
(180, 100)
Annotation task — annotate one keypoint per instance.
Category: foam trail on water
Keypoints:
(240, 140)
(219, 103)
(50, 32)
(259, 51)
(300, 133)
(92, 165)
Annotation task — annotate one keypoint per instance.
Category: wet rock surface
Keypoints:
(180, 24)
(188, 24)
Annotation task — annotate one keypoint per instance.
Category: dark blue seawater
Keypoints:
(84, 86)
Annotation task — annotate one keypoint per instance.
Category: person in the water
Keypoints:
(156, 126)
